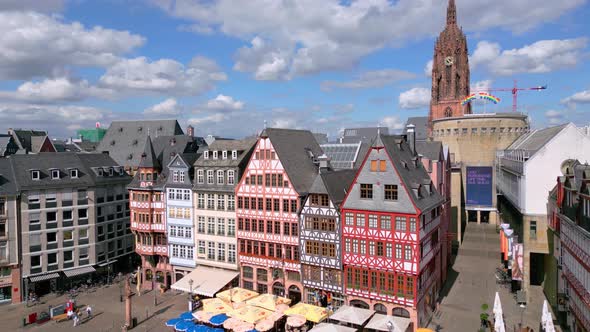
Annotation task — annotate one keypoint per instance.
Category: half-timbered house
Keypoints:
(391, 232)
(269, 195)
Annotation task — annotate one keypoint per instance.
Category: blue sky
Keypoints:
(226, 67)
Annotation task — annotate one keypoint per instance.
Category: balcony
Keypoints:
(146, 249)
(146, 205)
(148, 227)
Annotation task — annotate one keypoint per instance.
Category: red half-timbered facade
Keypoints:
(391, 233)
(269, 196)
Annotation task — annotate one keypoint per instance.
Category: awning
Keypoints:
(79, 271)
(379, 322)
(42, 277)
(206, 281)
(352, 315)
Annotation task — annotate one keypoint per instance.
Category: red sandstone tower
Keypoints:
(450, 71)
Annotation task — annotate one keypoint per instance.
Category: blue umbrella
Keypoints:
(192, 328)
(182, 326)
(186, 316)
(218, 319)
(252, 330)
(201, 328)
(219, 330)
(173, 321)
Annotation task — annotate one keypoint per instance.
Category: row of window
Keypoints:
(379, 221)
(259, 248)
(179, 194)
(180, 231)
(314, 273)
(220, 199)
(147, 197)
(151, 239)
(483, 130)
(387, 283)
(215, 154)
(271, 204)
(51, 216)
(320, 248)
(179, 213)
(35, 198)
(56, 173)
(319, 200)
(272, 226)
(52, 258)
(216, 251)
(267, 154)
(147, 218)
(52, 237)
(390, 192)
(221, 177)
(267, 180)
(148, 176)
(183, 252)
(378, 248)
(326, 224)
(178, 176)
(216, 226)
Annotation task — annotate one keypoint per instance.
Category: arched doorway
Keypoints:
(294, 294)
(400, 312)
(278, 289)
(359, 304)
(380, 308)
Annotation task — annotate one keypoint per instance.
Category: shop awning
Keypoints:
(79, 271)
(206, 281)
(379, 322)
(352, 315)
(42, 277)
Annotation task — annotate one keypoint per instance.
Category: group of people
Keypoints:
(74, 315)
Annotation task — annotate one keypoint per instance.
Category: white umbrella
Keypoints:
(499, 324)
(498, 318)
(497, 310)
(546, 318)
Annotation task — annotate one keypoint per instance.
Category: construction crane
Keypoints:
(514, 90)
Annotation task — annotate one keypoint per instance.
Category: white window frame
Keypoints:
(215, 154)
(180, 176)
(231, 178)
(55, 174)
(224, 154)
(200, 176)
(206, 154)
(40, 261)
(80, 235)
(210, 177)
(74, 174)
(234, 154)
(35, 175)
(56, 237)
(173, 231)
(175, 176)
(220, 177)
(72, 259)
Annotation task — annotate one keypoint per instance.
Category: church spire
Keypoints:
(451, 13)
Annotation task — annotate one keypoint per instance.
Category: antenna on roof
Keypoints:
(264, 124)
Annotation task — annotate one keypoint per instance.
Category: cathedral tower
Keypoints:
(450, 71)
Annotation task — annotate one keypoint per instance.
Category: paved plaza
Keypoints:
(108, 312)
(472, 282)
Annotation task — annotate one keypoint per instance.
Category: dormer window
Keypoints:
(121, 171)
(224, 155)
(100, 172)
(206, 154)
(111, 171)
(55, 174)
(35, 175)
(214, 154)
(234, 154)
(74, 173)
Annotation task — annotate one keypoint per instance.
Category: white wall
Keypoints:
(542, 170)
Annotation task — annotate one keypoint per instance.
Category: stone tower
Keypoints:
(450, 71)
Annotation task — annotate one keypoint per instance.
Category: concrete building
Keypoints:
(10, 280)
(270, 194)
(320, 236)
(392, 233)
(525, 174)
(217, 173)
(73, 218)
(569, 222)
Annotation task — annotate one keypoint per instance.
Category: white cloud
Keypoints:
(392, 122)
(304, 37)
(414, 98)
(33, 45)
(196, 28)
(163, 76)
(45, 6)
(54, 90)
(370, 79)
(555, 117)
(540, 57)
(428, 68)
(222, 102)
(484, 85)
(168, 107)
(209, 119)
(582, 97)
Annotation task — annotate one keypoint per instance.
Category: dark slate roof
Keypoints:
(7, 145)
(243, 145)
(421, 123)
(23, 137)
(366, 134)
(337, 183)
(124, 140)
(293, 148)
(430, 149)
(88, 165)
(87, 145)
(412, 175)
(8, 185)
(148, 157)
(536, 139)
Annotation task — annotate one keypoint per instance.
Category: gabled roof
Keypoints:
(421, 130)
(430, 149)
(23, 137)
(124, 140)
(148, 157)
(242, 146)
(336, 183)
(296, 150)
(412, 174)
(536, 139)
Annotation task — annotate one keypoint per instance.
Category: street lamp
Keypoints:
(190, 295)
(120, 287)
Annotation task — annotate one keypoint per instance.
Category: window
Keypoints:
(67, 215)
(388, 250)
(247, 272)
(408, 252)
(400, 224)
(68, 256)
(214, 154)
(74, 173)
(231, 177)
(211, 225)
(181, 176)
(410, 287)
(355, 246)
(412, 224)
(347, 245)
(231, 202)
(206, 154)
(83, 253)
(231, 227)
(371, 248)
(211, 250)
(391, 192)
(201, 247)
(82, 213)
(234, 154)
(55, 174)
(51, 216)
(210, 177)
(83, 233)
(175, 176)
(366, 190)
(35, 175)
(220, 202)
(35, 261)
(34, 239)
(349, 219)
(52, 258)
(51, 237)
(68, 235)
(363, 247)
(380, 249)
(398, 251)
(224, 155)
(386, 223)
(221, 226)
(372, 221)
(221, 252)
(231, 253)
(201, 201)
(220, 177)
(200, 176)
(211, 201)
(533, 230)
(360, 220)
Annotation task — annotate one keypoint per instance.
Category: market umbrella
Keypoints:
(203, 316)
(216, 306)
(546, 318)
(497, 310)
(182, 326)
(269, 302)
(265, 325)
(218, 319)
(186, 316)
(296, 320)
(173, 322)
(215, 329)
(236, 294)
(230, 323)
(311, 312)
(243, 327)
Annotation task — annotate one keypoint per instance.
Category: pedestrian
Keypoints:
(76, 319)
(89, 311)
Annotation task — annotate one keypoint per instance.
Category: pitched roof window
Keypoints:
(35, 175)
(234, 154)
(74, 173)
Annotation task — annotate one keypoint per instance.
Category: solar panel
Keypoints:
(341, 155)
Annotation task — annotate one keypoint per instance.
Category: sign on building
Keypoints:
(479, 186)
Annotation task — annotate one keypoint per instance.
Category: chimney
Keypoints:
(410, 130)
(324, 163)
(190, 131)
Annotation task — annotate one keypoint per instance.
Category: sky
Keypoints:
(232, 67)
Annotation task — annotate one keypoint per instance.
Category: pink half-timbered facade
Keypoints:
(391, 233)
(269, 195)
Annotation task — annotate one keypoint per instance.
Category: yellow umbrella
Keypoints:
(216, 306)
(268, 301)
(250, 314)
(236, 294)
(423, 329)
(311, 312)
